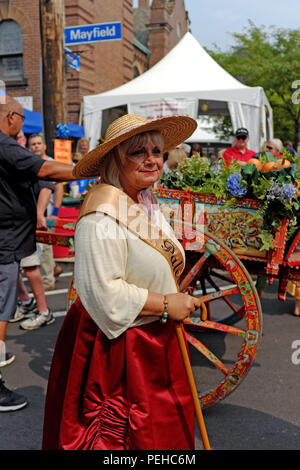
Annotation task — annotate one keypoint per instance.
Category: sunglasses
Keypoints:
(269, 147)
(21, 115)
(241, 137)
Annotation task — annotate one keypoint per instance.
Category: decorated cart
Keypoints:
(238, 226)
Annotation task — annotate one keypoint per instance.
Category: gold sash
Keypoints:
(112, 201)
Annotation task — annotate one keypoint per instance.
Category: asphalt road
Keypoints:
(263, 413)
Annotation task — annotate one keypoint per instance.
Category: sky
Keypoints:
(214, 20)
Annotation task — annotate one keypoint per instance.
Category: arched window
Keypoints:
(11, 51)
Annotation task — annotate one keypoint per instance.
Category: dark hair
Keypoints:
(196, 148)
(32, 136)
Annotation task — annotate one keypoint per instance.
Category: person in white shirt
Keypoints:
(117, 379)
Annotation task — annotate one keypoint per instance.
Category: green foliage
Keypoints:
(269, 58)
(199, 176)
(172, 180)
(193, 170)
(272, 189)
(266, 239)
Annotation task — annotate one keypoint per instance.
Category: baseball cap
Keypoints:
(241, 131)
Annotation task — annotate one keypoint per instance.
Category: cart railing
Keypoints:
(238, 225)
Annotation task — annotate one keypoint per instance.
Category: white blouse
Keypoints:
(113, 274)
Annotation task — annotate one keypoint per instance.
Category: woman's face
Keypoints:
(271, 148)
(142, 162)
(84, 148)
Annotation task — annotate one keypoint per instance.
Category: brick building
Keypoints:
(20, 50)
(160, 26)
(148, 33)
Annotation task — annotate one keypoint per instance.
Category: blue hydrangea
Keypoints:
(273, 191)
(62, 131)
(283, 193)
(288, 191)
(234, 185)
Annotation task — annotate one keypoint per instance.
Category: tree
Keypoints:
(270, 59)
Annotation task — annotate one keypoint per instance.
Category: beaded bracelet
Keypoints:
(164, 317)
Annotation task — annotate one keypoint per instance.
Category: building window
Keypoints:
(11, 51)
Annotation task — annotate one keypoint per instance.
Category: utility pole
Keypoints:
(52, 20)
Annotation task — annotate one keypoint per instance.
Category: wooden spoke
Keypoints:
(190, 276)
(197, 322)
(218, 294)
(208, 354)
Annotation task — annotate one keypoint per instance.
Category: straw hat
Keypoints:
(174, 129)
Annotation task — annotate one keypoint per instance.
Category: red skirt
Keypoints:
(130, 393)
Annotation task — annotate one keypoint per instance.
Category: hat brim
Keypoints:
(174, 129)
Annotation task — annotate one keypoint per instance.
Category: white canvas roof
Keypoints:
(187, 71)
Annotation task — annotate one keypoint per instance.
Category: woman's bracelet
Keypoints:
(164, 317)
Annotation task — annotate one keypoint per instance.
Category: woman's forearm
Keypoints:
(179, 305)
(154, 305)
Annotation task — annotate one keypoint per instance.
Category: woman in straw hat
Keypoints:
(117, 379)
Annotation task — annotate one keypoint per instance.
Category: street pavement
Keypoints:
(263, 413)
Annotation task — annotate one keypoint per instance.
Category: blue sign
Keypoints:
(73, 60)
(91, 33)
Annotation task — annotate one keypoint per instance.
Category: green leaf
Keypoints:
(249, 169)
(267, 240)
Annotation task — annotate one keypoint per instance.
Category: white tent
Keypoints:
(205, 134)
(184, 76)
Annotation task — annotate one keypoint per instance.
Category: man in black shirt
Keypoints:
(19, 170)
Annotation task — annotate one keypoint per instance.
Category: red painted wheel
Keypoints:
(217, 276)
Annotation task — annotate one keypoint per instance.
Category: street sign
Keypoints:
(91, 33)
(73, 60)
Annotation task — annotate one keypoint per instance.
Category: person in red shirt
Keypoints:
(239, 150)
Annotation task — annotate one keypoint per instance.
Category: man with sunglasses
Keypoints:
(239, 150)
(19, 170)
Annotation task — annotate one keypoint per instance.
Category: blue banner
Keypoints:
(92, 33)
(73, 60)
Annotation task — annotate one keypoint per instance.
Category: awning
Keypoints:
(75, 130)
(33, 124)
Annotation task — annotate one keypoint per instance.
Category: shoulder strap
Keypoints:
(112, 201)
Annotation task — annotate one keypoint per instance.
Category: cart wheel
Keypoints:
(217, 276)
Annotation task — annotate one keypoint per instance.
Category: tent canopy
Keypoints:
(186, 73)
(33, 123)
(75, 130)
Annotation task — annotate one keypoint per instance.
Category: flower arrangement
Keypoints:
(275, 185)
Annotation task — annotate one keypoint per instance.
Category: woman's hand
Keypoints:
(180, 306)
